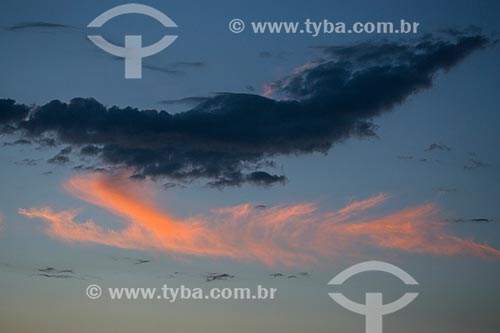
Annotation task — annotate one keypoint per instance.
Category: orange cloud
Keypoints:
(291, 235)
(268, 90)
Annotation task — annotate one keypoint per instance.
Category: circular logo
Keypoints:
(93, 291)
(236, 26)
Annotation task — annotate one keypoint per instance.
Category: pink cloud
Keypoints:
(290, 235)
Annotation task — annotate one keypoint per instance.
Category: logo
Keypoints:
(373, 309)
(133, 52)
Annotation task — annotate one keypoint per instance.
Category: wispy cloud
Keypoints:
(473, 220)
(38, 25)
(133, 261)
(195, 100)
(474, 164)
(290, 235)
(217, 276)
(437, 147)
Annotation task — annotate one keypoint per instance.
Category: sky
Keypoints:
(258, 159)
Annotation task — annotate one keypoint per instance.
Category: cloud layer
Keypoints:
(289, 235)
(230, 138)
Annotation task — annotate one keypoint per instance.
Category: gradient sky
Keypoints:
(387, 198)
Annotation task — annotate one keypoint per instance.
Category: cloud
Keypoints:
(217, 276)
(161, 69)
(27, 162)
(56, 276)
(260, 178)
(17, 142)
(62, 157)
(189, 64)
(142, 261)
(473, 220)
(289, 235)
(179, 67)
(12, 112)
(192, 101)
(437, 146)
(168, 186)
(230, 138)
(90, 150)
(133, 261)
(54, 273)
(292, 276)
(38, 25)
(53, 270)
(276, 275)
(474, 164)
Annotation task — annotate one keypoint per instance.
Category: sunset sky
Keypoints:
(248, 155)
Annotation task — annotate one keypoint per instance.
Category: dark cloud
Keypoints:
(142, 261)
(189, 101)
(54, 273)
(291, 276)
(260, 178)
(437, 146)
(405, 157)
(473, 220)
(39, 25)
(62, 157)
(134, 261)
(276, 275)
(90, 150)
(250, 88)
(22, 142)
(27, 162)
(17, 142)
(473, 164)
(66, 150)
(56, 276)
(170, 185)
(189, 64)
(161, 69)
(12, 112)
(175, 68)
(59, 159)
(53, 270)
(47, 142)
(217, 276)
(227, 138)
